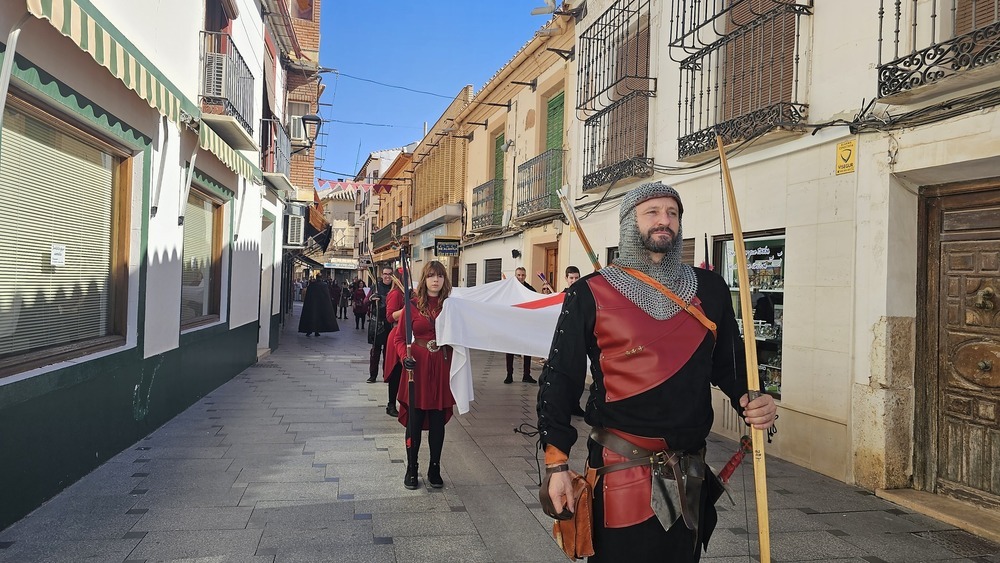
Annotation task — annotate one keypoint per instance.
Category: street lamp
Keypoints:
(312, 124)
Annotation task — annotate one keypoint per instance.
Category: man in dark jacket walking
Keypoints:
(375, 302)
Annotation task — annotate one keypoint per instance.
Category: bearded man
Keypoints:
(659, 334)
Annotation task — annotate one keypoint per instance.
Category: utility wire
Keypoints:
(394, 86)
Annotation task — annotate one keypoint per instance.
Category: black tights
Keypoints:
(435, 434)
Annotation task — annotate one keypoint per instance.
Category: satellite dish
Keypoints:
(550, 7)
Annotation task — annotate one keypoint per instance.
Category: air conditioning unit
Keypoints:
(295, 235)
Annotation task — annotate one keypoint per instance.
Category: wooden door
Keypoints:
(968, 353)
(552, 268)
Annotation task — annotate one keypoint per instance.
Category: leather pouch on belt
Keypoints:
(626, 493)
(575, 534)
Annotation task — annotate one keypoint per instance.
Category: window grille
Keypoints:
(926, 41)
(613, 90)
(739, 69)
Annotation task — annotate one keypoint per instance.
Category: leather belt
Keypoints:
(430, 345)
(677, 476)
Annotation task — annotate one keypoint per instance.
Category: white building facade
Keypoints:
(163, 281)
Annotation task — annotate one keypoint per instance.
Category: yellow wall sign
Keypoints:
(846, 153)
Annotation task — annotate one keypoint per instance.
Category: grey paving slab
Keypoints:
(189, 518)
(52, 550)
(295, 460)
(216, 544)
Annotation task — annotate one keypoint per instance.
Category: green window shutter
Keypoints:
(498, 156)
(43, 304)
(554, 122)
(498, 179)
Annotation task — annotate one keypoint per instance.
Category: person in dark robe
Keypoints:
(318, 314)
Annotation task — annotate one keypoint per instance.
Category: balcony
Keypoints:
(615, 142)
(227, 88)
(275, 154)
(740, 70)
(951, 44)
(537, 182)
(386, 236)
(487, 206)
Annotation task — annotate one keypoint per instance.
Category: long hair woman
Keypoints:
(432, 405)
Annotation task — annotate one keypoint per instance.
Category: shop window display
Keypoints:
(765, 261)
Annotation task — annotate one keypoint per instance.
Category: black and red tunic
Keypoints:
(651, 378)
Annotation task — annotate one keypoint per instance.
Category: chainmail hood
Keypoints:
(671, 272)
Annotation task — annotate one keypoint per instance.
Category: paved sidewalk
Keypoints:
(295, 460)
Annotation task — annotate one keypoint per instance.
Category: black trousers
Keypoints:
(393, 381)
(377, 354)
(510, 365)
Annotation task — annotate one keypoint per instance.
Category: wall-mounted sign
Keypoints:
(343, 264)
(846, 153)
(445, 247)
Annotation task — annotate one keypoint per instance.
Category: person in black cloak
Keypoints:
(318, 314)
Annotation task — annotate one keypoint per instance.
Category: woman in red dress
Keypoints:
(432, 405)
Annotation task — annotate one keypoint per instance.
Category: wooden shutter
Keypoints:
(554, 122)
(757, 66)
(470, 275)
(971, 15)
(498, 185)
(56, 191)
(687, 251)
(493, 272)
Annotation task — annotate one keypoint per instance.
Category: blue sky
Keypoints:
(436, 46)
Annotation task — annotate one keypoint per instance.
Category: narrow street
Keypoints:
(296, 460)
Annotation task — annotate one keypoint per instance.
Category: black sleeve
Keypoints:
(565, 371)
(729, 360)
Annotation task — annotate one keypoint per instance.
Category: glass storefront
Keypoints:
(765, 262)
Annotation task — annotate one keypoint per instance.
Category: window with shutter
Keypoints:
(470, 275)
(201, 260)
(554, 121)
(493, 271)
(63, 281)
(739, 70)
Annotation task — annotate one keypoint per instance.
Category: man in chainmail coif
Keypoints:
(659, 334)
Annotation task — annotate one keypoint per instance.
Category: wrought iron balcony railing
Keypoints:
(739, 69)
(275, 148)
(487, 205)
(927, 41)
(226, 81)
(615, 142)
(614, 57)
(385, 236)
(537, 182)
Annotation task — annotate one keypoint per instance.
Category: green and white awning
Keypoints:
(212, 142)
(91, 31)
(86, 26)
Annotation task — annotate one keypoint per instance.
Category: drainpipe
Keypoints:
(8, 63)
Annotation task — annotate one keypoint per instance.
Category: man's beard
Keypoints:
(659, 246)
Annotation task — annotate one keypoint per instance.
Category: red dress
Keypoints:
(393, 303)
(432, 378)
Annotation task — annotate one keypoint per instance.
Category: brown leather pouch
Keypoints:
(574, 532)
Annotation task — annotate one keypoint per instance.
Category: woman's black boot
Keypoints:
(434, 475)
(410, 480)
